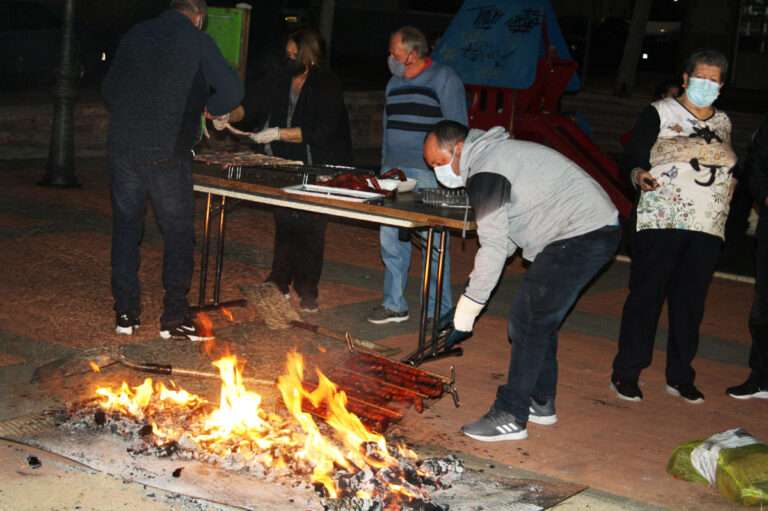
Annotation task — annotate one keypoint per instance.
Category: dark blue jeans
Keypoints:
(168, 184)
(550, 287)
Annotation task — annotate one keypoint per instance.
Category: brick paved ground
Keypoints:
(54, 270)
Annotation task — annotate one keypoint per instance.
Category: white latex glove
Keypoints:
(266, 136)
(220, 122)
(466, 312)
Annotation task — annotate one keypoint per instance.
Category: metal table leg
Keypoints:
(438, 290)
(204, 252)
(425, 290)
(232, 173)
(219, 252)
(436, 349)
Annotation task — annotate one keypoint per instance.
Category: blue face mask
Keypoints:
(396, 67)
(702, 92)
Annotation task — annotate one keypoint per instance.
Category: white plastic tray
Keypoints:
(344, 194)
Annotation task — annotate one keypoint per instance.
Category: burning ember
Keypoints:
(350, 466)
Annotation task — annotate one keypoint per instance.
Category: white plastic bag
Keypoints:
(704, 457)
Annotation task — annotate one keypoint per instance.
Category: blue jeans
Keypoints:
(550, 288)
(168, 184)
(396, 256)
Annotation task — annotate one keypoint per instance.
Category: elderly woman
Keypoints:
(303, 116)
(680, 157)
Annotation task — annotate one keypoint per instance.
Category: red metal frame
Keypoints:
(533, 114)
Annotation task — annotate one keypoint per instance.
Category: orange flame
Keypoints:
(240, 424)
(204, 323)
(94, 366)
(208, 346)
(227, 314)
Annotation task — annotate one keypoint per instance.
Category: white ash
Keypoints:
(369, 489)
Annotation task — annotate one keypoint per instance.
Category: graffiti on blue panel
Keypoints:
(483, 51)
(487, 17)
(526, 21)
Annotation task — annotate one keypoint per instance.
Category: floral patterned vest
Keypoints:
(692, 160)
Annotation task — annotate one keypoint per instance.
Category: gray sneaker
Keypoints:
(380, 315)
(495, 426)
(542, 412)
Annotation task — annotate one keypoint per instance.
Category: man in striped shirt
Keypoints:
(420, 94)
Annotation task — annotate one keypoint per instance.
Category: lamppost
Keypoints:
(60, 170)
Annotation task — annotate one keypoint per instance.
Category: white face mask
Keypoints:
(446, 176)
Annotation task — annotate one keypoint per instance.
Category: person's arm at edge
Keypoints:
(384, 129)
(756, 165)
(637, 152)
(228, 90)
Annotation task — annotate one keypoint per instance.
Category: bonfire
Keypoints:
(350, 466)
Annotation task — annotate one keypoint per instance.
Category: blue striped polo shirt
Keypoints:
(413, 106)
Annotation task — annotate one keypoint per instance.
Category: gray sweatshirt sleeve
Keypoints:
(489, 194)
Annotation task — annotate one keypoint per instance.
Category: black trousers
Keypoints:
(168, 185)
(676, 266)
(758, 317)
(298, 254)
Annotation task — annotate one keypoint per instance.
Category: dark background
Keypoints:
(30, 33)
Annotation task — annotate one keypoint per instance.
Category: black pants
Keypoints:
(298, 254)
(758, 317)
(676, 266)
(168, 185)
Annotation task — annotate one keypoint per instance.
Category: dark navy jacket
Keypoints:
(320, 113)
(163, 75)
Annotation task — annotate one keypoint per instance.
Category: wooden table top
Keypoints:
(406, 207)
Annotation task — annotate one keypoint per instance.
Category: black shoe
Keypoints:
(126, 324)
(687, 391)
(627, 390)
(542, 412)
(380, 315)
(495, 426)
(309, 305)
(748, 390)
(186, 331)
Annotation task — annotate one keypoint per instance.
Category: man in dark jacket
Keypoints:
(755, 170)
(165, 73)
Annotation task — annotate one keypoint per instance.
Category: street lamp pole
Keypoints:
(60, 171)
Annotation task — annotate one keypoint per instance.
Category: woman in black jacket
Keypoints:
(303, 117)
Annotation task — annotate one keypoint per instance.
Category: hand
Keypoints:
(266, 136)
(646, 181)
(220, 122)
(466, 312)
(454, 337)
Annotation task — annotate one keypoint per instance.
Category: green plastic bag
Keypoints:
(742, 474)
(680, 465)
(734, 461)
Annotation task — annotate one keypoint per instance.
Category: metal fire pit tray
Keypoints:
(107, 453)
